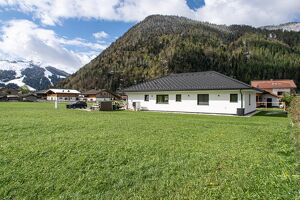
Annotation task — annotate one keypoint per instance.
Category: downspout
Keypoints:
(242, 105)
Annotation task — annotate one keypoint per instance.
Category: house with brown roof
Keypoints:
(62, 95)
(100, 95)
(273, 91)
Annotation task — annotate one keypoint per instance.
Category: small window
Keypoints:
(146, 98)
(178, 97)
(233, 98)
(280, 93)
(249, 99)
(162, 99)
(203, 99)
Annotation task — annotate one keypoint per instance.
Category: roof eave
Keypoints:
(167, 90)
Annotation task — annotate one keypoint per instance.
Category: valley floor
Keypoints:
(47, 153)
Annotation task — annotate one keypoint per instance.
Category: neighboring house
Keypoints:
(277, 87)
(100, 95)
(122, 95)
(267, 99)
(273, 91)
(62, 95)
(9, 94)
(12, 97)
(3, 97)
(28, 97)
(41, 94)
(199, 92)
(9, 91)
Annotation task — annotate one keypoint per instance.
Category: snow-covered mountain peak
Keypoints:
(35, 75)
(291, 26)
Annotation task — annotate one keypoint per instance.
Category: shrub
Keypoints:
(287, 99)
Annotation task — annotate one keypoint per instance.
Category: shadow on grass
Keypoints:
(272, 113)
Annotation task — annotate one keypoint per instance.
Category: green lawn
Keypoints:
(47, 153)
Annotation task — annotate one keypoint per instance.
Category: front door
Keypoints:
(269, 102)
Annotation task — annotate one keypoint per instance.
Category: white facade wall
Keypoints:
(275, 100)
(104, 99)
(250, 101)
(219, 101)
(54, 98)
(283, 90)
(98, 99)
(91, 99)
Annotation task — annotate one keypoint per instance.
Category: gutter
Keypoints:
(242, 105)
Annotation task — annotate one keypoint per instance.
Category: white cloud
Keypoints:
(100, 35)
(79, 42)
(252, 12)
(23, 39)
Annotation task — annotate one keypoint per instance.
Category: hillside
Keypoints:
(292, 26)
(160, 45)
(35, 76)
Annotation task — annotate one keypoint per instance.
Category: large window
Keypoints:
(146, 97)
(233, 98)
(162, 99)
(203, 99)
(178, 97)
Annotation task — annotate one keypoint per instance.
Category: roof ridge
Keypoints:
(189, 73)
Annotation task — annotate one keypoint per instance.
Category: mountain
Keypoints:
(160, 45)
(35, 76)
(291, 26)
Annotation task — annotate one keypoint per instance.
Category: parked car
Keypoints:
(78, 104)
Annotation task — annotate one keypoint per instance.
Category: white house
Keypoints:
(273, 91)
(62, 95)
(276, 87)
(199, 92)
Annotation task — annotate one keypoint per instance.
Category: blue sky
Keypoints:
(69, 33)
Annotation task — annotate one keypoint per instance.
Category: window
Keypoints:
(203, 99)
(280, 93)
(249, 99)
(162, 99)
(233, 98)
(146, 98)
(178, 97)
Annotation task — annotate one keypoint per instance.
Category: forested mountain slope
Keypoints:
(160, 45)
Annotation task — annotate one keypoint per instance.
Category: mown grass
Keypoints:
(47, 153)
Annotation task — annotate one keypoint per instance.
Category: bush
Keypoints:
(287, 99)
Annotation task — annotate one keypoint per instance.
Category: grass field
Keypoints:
(47, 153)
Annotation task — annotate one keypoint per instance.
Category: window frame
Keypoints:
(237, 98)
(146, 97)
(162, 95)
(178, 95)
(202, 103)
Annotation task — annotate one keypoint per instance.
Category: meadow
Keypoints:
(72, 154)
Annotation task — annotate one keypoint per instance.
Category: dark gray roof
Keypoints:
(41, 92)
(27, 95)
(209, 80)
